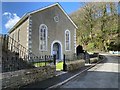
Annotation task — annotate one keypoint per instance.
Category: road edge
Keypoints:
(65, 81)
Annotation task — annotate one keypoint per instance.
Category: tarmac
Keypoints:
(102, 76)
(60, 78)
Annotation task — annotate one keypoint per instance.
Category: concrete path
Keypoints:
(103, 75)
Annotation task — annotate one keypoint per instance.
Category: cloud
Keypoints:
(7, 14)
(12, 18)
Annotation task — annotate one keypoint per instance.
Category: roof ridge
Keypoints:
(29, 13)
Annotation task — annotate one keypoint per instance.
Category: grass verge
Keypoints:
(59, 66)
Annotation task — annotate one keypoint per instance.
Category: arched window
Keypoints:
(67, 40)
(43, 37)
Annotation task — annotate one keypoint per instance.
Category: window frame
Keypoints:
(46, 39)
(69, 42)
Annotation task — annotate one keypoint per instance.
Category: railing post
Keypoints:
(89, 60)
(45, 60)
(64, 63)
(54, 59)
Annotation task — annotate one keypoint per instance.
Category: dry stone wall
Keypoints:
(23, 77)
(75, 65)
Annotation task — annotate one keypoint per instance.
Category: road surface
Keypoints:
(103, 75)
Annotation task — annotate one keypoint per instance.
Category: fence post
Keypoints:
(64, 64)
(54, 59)
(89, 60)
(45, 60)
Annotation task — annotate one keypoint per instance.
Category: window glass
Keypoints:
(43, 37)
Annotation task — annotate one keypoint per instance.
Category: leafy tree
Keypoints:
(97, 26)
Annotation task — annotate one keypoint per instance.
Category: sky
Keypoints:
(13, 11)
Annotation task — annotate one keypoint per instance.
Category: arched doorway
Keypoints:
(79, 49)
(56, 49)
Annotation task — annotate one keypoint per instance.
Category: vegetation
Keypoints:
(59, 66)
(98, 26)
(40, 64)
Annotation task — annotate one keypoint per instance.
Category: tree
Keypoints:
(97, 25)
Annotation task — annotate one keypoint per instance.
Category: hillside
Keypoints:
(98, 28)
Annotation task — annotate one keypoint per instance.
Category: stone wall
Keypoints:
(23, 77)
(73, 65)
(93, 60)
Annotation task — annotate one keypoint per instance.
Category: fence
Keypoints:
(12, 45)
(17, 57)
(43, 60)
(15, 63)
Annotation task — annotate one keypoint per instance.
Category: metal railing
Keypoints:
(42, 60)
(17, 57)
(8, 43)
(14, 63)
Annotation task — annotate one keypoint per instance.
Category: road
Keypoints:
(103, 75)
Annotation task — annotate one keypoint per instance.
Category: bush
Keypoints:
(90, 46)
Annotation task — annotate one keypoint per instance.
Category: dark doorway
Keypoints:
(79, 50)
(56, 50)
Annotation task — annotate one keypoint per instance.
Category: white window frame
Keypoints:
(69, 40)
(46, 34)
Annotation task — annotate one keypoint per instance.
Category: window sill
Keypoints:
(43, 50)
